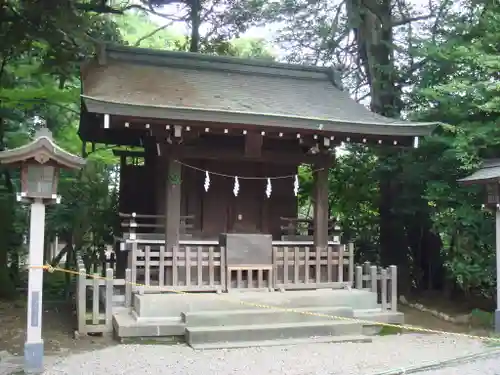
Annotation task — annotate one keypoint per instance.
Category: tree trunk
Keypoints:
(195, 17)
(374, 37)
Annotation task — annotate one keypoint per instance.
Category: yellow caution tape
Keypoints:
(51, 269)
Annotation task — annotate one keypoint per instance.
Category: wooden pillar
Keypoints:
(173, 203)
(321, 204)
(161, 175)
(122, 255)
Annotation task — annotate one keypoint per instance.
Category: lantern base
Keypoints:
(33, 357)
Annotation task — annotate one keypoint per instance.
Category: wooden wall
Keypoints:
(218, 210)
(142, 190)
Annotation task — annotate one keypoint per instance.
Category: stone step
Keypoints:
(377, 316)
(257, 316)
(158, 305)
(263, 332)
(118, 300)
(283, 342)
(125, 325)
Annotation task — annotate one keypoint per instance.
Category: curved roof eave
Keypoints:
(388, 128)
(42, 144)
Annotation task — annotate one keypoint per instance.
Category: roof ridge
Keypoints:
(214, 62)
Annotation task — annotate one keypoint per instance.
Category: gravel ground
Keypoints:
(489, 366)
(384, 353)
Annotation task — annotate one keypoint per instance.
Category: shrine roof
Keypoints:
(488, 172)
(167, 85)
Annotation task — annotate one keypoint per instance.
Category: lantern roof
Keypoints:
(42, 150)
(488, 172)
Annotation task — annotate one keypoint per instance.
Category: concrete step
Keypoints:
(158, 305)
(257, 333)
(282, 342)
(118, 300)
(379, 316)
(125, 325)
(269, 316)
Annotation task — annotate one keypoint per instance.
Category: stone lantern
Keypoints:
(489, 177)
(39, 162)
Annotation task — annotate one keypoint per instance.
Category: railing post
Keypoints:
(351, 263)
(128, 287)
(133, 265)
(95, 299)
(109, 285)
(340, 275)
(82, 301)
(373, 278)
(383, 287)
(275, 268)
(394, 287)
(359, 277)
(223, 269)
(132, 226)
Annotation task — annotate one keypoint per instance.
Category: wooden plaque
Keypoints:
(247, 249)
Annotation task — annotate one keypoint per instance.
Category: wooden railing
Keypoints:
(93, 315)
(305, 227)
(184, 268)
(309, 268)
(134, 224)
(382, 281)
(200, 266)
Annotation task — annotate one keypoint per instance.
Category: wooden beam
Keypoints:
(253, 144)
(194, 152)
(137, 154)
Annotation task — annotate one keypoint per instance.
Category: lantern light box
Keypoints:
(492, 194)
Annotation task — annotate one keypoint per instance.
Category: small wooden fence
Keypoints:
(94, 314)
(199, 268)
(184, 268)
(382, 281)
(308, 268)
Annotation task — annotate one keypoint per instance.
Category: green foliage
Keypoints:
(54, 286)
(41, 50)
(458, 87)
(40, 54)
(445, 234)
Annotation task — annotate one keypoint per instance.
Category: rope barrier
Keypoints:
(243, 177)
(51, 269)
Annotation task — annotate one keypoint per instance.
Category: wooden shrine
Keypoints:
(215, 146)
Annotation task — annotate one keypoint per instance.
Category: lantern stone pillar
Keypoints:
(39, 162)
(33, 348)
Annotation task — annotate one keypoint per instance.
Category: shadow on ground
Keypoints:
(58, 326)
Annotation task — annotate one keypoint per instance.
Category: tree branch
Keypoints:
(150, 34)
(405, 21)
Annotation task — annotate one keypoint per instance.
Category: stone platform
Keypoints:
(209, 320)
